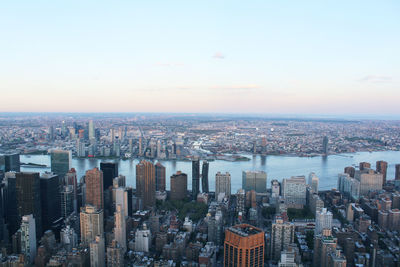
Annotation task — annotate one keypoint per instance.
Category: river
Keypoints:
(276, 167)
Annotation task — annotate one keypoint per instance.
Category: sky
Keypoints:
(208, 56)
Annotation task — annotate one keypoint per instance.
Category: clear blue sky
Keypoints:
(314, 57)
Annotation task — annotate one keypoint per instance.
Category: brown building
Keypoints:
(244, 246)
(160, 177)
(381, 167)
(397, 175)
(365, 165)
(350, 171)
(178, 186)
(146, 183)
(324, 244)
(94, 188)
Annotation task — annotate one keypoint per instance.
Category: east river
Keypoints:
(276, 167)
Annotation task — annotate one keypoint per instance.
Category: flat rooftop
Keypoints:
(244, 230)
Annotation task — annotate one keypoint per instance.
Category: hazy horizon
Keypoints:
(226, 57)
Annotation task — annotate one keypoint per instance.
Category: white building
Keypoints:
(223, 184)
(28, 238)
(294, 191)
(323, 220)
(142, 239)
(97, 252)
(120, 227)
(313, 182)
(370, 180)
(348, 186)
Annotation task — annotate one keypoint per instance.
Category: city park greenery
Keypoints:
(184, 208)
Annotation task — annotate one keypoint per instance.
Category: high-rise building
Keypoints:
(364, 165)
(50, 199)
(337, 259)
(178, 186)
(240, 203)
(294, 191)
(11, 212)
(195, 178)
(120, 227)
(72, 180)
(222, 184)
(204, 177)
(91, 130)
(325, 143)
(145, 183)
(254, 180)
(9, 163)
(28, 197)
(61, 162)
(92, 223)
(97, 252)
(397, 172)
(244, 246)
(160, 177)
(110, 171)
(67, 201)
(324, 244)
(68, 238)
(369, 180)
(80, 147)
(115, 255)
(282, 235)
(28, 238)
(394, 220)
(381, 167)
(350, 171)
(348, 186)
(313, 182)
(142, 239)
(275, 188)
(323, 220)
(94, 188)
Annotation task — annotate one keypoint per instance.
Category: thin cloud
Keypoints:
(376, 79)
(219, 55)
(243, 87)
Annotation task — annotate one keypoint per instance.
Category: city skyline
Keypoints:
(225, 57)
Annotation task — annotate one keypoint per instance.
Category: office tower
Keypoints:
(369, 180)
(204, 177)
(160, 177)
(348, 186)
(50, 199)
(68, 238)
(145, 183)
(313, 182)
(71, 180)
(324, 244)
(381, 167)
(117, 147)
(110, 171)
(119, 181)
(275, 188)
(92, 223)
(350, 171)
(323, 220)
(222, 184)
(294, 191)
(61, 161)
(244, 246)
(325, 148)
(94, 188)
(120, 198)
(28, 238)
(80, 147)
(397, 172)
(365, 165)
(11, 212)
(97, 251)
(9, 163)
(178, 186)
(67, 201)
(254, 180)
(28, 197)
(140, 144)
(120, 227)
(195, 178)
(115, 255)
(91, 130)
(142, 239)
(282, 235)
(128, 197)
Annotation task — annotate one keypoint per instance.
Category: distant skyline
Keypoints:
(264, 57)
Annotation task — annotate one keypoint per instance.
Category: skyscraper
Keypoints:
(28, 237)
(325, 148)
(97, 252)
(50, 199)
(28, 197)
(120, 227)
(67, 201)
(115, 255)
(11, 212)
(92, 224)
(145, 183)
(323, 220)
(110, 171)
(9, 163)
(178, 186)
(364, 165)
(350, 171)
(397, 172)
(195, 178)
(91, 130)
(204, 177)
(313, 182)
(160, 177)
(282, 235)
(94, 188)
(71, 180)
(294, 190)
(254, 180)
(222, 184)
(369, 180)
(381, 167)
(244, 246)
(324, 244)
(61, 161)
